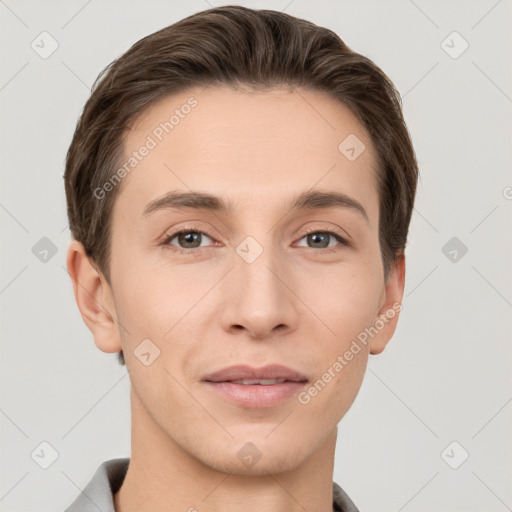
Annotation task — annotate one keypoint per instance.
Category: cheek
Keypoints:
(147, 300)
(163, 303)
(343, 301)
(345, 305)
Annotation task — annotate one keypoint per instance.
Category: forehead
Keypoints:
(240, 143)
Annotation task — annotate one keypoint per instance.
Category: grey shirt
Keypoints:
(98, 495)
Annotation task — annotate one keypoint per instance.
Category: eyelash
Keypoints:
(321, 230)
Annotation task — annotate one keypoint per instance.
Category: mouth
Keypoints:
(261, 382)
(256, 388)
(247, 375)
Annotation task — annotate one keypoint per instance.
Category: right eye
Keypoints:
(188, 238)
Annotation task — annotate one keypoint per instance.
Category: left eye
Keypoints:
(320, 238)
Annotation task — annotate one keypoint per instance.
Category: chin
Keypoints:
(256, 456)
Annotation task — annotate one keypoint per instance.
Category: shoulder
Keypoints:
(98, 494)
(341, 501)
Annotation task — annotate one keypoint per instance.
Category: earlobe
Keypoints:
(389, 312)
(94, 299)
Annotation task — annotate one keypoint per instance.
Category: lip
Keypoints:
(272, 371)
(256, 395)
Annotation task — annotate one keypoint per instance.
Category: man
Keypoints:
(240, 187)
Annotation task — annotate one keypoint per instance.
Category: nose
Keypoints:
(261, 301)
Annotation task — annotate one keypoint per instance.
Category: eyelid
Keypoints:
(191, 225)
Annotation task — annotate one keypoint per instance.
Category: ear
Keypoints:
(94, 298)
(391, 305)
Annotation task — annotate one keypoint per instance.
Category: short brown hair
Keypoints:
(235, 45)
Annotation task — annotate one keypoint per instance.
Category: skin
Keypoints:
(208, 308)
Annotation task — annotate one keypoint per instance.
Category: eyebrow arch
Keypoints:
(310, 200)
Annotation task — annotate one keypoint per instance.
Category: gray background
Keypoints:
(446, 374)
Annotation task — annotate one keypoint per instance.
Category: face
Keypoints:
(251, 276)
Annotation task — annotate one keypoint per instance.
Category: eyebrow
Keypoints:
(310, 200)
